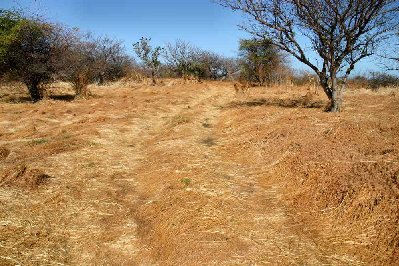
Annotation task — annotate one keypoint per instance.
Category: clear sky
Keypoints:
(201, 22)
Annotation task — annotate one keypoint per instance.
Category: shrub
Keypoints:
(380, 80)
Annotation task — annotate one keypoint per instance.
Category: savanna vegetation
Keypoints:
(170, 154)
(38, 52)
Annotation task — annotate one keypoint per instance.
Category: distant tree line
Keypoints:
(37, 52)
(259, 62)
(374, 81)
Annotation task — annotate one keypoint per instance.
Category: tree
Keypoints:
(88, 59)
(341, 32)
(30, 51)
(181, 56)
(79, 66)
(215, 66)
(260, 61)
(391, 56)
(377, 80)
(149, 56)
(111, 60)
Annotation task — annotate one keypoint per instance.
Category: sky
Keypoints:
(203, 23)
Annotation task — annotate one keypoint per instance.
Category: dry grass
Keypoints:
(193, 174)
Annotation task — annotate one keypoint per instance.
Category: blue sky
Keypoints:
(201, 22)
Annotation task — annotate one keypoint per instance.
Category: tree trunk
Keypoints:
(101, 78)
(335, 101)
(80, 85)
(34, 91)
(334, 93)
(154, 82)
(82, 91)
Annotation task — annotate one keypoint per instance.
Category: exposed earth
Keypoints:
(196, 174)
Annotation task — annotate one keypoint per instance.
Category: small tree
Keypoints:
(149, 56)
(28, 51)
(78, 62)
(341, 32)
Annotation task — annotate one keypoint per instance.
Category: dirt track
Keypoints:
(192, 175)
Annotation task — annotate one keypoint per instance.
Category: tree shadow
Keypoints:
(16, 99)
(63, 97)
(303, 102)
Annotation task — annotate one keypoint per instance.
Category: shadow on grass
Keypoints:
(64, 97)
(16, 99)
(26, 99)
(303, 102)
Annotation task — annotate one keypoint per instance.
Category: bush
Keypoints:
(87, 59)
(380, 80)
(358, 82)
(185, 60)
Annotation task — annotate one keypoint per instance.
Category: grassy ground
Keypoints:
(195, 174)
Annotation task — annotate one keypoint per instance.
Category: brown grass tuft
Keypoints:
(4, 152)
(23, 177)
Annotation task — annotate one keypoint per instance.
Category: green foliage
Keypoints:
(30, 57)
(196, 69)
(186, 181)
(9, 21)
(28, 51)
(39, 141)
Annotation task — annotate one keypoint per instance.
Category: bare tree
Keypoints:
(111, 59)
(341, 32)
(88, 59)
(181, 56)
(390, 56)
(79, 62)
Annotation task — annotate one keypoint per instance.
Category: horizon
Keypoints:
(204, 24)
